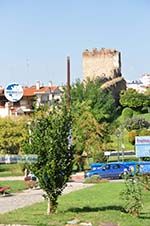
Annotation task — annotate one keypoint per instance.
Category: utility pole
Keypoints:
(68, 83)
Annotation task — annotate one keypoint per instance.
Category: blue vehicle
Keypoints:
(140, 167)
(117, 170)
(97, 165)
(109, 170)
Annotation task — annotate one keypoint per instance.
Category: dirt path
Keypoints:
(29, 197)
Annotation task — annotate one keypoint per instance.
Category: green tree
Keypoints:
(136, 123)
(132, 195)
(132, 99)
(50, 141)
(127, 113)
(89, 136)
(101, 103)
(13, 132)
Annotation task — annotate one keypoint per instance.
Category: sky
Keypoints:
(36, 36)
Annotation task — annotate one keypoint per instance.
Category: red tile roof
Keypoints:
(32, 91)
(29, 91)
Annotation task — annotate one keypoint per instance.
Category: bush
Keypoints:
(94, 179)
(127, 113)
(145, 180)
(131, 136)
(132, 195)
(99, 157)
(136, 123)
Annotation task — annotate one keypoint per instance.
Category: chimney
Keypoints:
(50, 83)
(38, 85)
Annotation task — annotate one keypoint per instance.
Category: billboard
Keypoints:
(142, 146)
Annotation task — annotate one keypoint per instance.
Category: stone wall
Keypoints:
(115, 85)
(101, 63)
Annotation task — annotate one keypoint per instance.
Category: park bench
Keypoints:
(3, 190)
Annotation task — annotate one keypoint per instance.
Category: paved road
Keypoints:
(29, 197)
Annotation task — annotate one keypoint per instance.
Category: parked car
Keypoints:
(117, 170)
(140, 167)
(109, 170)
(97, 165)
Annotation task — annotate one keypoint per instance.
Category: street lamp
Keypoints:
(118, 139)
(123, 148)
(29, 130)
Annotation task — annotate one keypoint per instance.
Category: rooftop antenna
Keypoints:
(68, 83)
(27, 67)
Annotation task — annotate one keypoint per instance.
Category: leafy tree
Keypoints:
(88, 135)
(136, 123)
(132, 99)
(136, 127)
(49, 140)
(127, 113)
(132, 195)
(131, 136)
(93, 109)
(146, 103)
(13, 132)
(147, 92)
(101, 103)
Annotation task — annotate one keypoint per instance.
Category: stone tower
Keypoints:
(106, 65)
(101, 63)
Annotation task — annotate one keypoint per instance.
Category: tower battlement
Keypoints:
(100, 52)
(101, 63)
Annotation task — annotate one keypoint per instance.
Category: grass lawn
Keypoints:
(15, 186)
(11, 170)
(97, 204)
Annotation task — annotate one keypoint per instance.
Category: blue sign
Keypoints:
(13, 92)
(142, 146)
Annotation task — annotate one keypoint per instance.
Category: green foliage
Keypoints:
(132, 99)
(101, 103)
(145, 180)
(11, 170)
(99, 157)
(49, 140)
(13, 132)
(132, 195)
(127, 113)
(89, 136)
(15, 186)
(94, 179)
(91, 109)
(131, 136)
(99, 204)
(136, 123)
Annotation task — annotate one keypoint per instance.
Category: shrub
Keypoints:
(132, 195)
(127, 113)
(94, 179)
(131, 136)
(145, 180)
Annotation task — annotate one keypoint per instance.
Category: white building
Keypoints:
(35, 95)
(145, 79)
(140, 85)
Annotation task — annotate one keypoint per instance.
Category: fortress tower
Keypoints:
(101, 63)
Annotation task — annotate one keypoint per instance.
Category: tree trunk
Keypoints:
(50, 207)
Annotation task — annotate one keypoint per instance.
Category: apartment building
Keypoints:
(36, 95)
